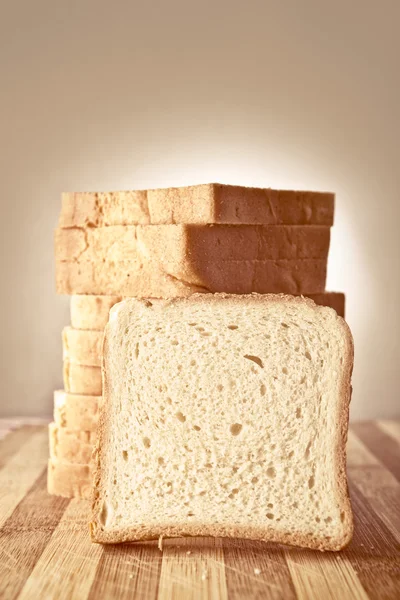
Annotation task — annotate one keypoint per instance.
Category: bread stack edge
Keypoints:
(161, 244)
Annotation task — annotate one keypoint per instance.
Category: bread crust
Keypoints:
(91, 312)
(205, 203)
(82, 347)
(71, 446)
(192, 243)
(82, 379)
(75, 411)
(69, 480)
(143, 278)
(143, 532)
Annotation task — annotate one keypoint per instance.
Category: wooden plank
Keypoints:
(376, 484)
(357, 453)
(192, 569)
(323, 575)
(128, 571)
(67, 566)
(21, 471)
(13, 442)
(382, 491)
(373, 551)
(256, 570)
(391, 428)
(25, 535)
(384, 447)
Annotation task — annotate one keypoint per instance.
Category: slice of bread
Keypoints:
(207, 203)
(143, 278)
(82, 347)
(76, 412)
(69, 480)
(81, 379)
(195, 244)
(91, 312)
(224, 416)
(72, 446)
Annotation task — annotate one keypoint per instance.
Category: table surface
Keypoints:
(45, 551)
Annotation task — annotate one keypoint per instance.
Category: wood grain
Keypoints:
(46, 553)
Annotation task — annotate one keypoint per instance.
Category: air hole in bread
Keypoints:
(307, 355)
(200, 329)
(303, 380)
(220, 387)
(181, 417)
(342, 516)
(196, 427)
(255, 359)
(307, 452)
(311, 482)
(236, 428)
(284, 370)
(206, 334)
(328, 520)
(291, 454)
(193, 363)
(146, 442)
(125, 454)
(285, 325)
(271, 472)
(298, 413)
(254, 480)
(233, 327)
(192, 324)
(103, 514)
(161, 461)
(190, 514)
(270, 505)
(318, 520)
(208, 465)
(174, 342)
(169, 401)
(263, 389)
(270, 516)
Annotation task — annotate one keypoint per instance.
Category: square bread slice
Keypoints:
(83, 347)
(143, 278)
(71, 446)
(75, 411)
(71, 480)
(206, 203)
(82, 379)
(224, 416)
(192, 244)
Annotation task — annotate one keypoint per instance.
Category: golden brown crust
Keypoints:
(204, 203)
(144, 532)
(143, 278)
(72, 446)
(69, 480)
(76, 411)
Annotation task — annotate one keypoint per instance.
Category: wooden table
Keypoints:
(45, 551)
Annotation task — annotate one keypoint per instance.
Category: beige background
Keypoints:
(111, 95)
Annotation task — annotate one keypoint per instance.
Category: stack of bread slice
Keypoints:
(161, 244)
